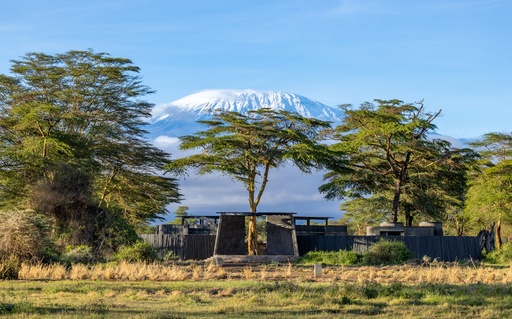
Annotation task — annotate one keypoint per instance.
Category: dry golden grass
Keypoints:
(407, 274)
(201, 290)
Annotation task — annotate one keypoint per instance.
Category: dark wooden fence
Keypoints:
(184, 246)
(446, 248)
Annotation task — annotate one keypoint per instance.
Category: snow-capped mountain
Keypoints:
(216, 192)
(180, 117)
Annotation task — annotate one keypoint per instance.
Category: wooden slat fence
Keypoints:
(184, 246)
(445, 248)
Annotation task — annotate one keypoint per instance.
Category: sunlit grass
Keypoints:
(250, 299)
(202, 290)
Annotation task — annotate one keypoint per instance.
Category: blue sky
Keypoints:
(456, 55)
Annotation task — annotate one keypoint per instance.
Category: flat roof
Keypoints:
(200, 216)
(256, 214)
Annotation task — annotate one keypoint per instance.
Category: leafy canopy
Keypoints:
(247, 147)
(489, 199)
(82, 111)
(392, 159)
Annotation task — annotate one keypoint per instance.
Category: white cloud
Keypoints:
(159, 110)
(167, 143)
(288, 190)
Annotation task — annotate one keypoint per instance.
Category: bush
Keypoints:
(23, 234)
(169, 256)
(138, 252)
(500, 256)
(341, 257)
(78, 254)
(9, 267)
(387, 252)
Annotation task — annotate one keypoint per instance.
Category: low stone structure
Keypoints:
(191, 225)
(230, 245)
(317, 228)
(289, 236)
(398, 229)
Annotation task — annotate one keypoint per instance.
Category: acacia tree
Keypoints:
(247, 147)
(81, 111)
(489, 199)
(359, 213)
(391, 157)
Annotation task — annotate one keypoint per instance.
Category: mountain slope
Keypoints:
(180, 117)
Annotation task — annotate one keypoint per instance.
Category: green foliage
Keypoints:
(181, 211)
(116, 232)
(383, 252)
(390, 156)
(78, 254)
(72, 144)
(170, 256)
(138, 252)
(9, 267)
(247, 147)
(360, 213)
(500, 256)
(387, 252)
(489, 198)
(23, 234)
(331, 258)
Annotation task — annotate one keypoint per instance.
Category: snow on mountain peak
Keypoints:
(208, 101)
(182, 115)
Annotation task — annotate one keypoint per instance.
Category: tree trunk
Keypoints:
(396, 202)
(498, 235)
(252, 237)
(400, 181)
(408, 219)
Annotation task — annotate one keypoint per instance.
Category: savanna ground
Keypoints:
(202, 290)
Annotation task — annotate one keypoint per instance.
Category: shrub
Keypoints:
(500, 256)
(23, 234)
(169, 256)
(387, 252)
(78, 254)
(9, 267)
(340, 257)
(140, 251)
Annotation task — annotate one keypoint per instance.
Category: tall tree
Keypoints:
(359, 213)
(83, 110)
(489, 199)
(247, 147)
(391, 156)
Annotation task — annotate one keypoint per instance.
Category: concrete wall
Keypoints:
(231, 236)
(281, 239)
(398, 229)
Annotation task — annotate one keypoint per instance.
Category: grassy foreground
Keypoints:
(265, 292)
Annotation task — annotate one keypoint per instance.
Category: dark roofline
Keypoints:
(256, 214)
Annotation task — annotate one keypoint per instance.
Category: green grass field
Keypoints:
(249, 294)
